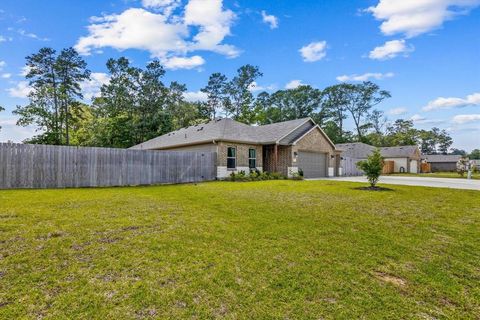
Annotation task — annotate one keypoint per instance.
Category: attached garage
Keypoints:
(313, 164)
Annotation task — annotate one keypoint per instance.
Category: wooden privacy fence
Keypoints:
(388, 167)
(44, 166)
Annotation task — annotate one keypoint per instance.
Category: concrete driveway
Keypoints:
(418, 181)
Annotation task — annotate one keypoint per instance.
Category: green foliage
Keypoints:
(372, 167)
(55, 81)
(256, 175)
(475, 154)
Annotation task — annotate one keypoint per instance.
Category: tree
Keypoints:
(55, 82)
(216, 90)
(475, 154)
(335, 100)
(401, 133)
(372, 167)
(291, 104)
(72, 70)
(240, 101)
(361, 98)
(444, 141)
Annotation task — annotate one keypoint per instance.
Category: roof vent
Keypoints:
(200, 129)
(185, 136)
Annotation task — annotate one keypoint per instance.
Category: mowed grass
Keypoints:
(259, 250)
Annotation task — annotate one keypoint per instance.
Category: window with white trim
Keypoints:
(231, 158)
(252, 158)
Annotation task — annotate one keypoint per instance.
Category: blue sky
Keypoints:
(426, 52)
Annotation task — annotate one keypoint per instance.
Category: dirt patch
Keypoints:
(373, 189)
(399, 282)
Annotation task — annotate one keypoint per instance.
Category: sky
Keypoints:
(425, 52)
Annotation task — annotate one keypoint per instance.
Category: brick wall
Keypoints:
(315, 141)
(242, 153)
(284, 159)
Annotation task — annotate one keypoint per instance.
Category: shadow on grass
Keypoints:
(373, 189)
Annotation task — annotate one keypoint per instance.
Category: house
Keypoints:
(405, 158)
(283, 147)
(442, 162)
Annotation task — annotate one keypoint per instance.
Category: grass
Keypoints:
(475, 176)
(259, 250)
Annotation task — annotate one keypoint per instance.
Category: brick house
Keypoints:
(283, 147)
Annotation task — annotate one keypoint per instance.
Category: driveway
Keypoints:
(418, 181)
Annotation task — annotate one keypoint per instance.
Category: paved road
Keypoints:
(419, 181)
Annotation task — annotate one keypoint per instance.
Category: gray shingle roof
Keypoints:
(357, 150)
(442, 157)
(399, 152)
(361, 150)
(224, 130)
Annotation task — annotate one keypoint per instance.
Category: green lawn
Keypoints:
(455, 175)
(260, 250)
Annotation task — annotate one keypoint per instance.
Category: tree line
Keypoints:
(136, 105)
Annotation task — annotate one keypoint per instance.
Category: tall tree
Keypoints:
(240, 101)
(401, 133)
(55, 82)
(71, 70)
(361, 99)
(216, 90)
(475, 154)
(335, 100)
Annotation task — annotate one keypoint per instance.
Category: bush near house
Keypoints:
(372, 167)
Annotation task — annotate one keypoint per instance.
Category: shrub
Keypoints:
(300, 172)
(462, 166)
(256, 175)
(372, 167)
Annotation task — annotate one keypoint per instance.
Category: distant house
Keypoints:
(283, 147)
(405, 158)
(442, 162)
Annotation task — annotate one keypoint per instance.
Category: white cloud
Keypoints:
(165, 36)
(24, 71)
(391, 49)
(6, 75)
(423, 120)
(32, 35)
(314, 51)
(91, 88)
(365, 77)
(397, 111)
(159, 3)
(294, 84)
(194, 96)
(269, 19)
(255, 87)
(2, 64)
(175, 63)
(449, 103)
(11, 132)
(466, 118)
(414, 17)
(21, 90)
(3, 39)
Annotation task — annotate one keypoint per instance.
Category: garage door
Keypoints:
(313, 164)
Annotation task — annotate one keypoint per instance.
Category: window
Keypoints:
(252, 158)
(231, 158)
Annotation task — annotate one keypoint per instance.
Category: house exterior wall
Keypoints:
(207, 147)
(399, 163)
(242, 158)
(315, 141)
(285, 155)
(443, 166)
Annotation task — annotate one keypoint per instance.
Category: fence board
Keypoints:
(44, 166)
(349, 167)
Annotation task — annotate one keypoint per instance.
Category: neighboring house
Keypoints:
(442, 162)
(405, 158)
(283, 147)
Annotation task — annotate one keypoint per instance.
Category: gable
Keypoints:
(315, 140)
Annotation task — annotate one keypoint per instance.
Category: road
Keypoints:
(418, 181)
